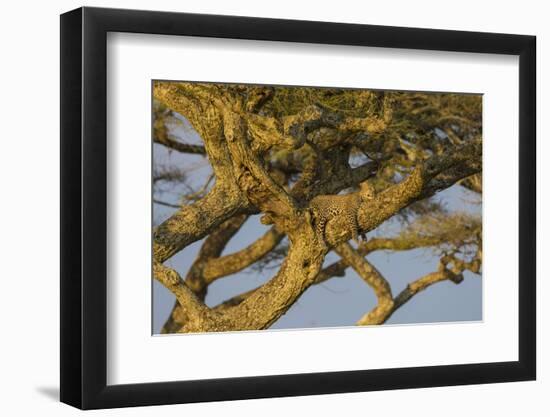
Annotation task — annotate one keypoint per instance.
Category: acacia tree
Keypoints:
(272, 150)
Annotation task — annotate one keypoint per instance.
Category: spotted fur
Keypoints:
(324, 208)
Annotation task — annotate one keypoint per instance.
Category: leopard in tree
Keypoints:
(324, 208)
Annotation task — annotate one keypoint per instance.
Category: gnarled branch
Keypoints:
(374, 279)
(229, 264)
(193, 222)
(193, 307)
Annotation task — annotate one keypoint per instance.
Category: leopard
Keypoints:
(324, 208)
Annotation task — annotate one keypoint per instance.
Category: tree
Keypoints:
(272, 150)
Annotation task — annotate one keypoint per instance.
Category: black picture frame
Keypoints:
(84, 207)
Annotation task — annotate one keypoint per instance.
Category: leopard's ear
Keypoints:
(367, 190)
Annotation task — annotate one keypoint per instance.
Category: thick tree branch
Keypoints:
(374, 279)
(193, 307)
(251, 175)
(161, 135)
(193, 222)
(197, 103)
(230, 264)
(265, 305)
(292, 131)
(211, 249)
(289, 132)
(257, 97)
(336, 184)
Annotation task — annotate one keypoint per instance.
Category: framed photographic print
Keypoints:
(257, 207)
